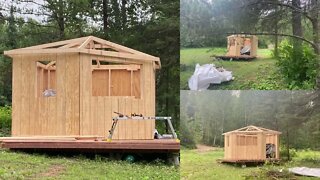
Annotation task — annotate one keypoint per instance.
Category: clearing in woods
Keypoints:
(260, 73)
(202, 163)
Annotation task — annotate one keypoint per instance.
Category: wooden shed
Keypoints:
(242, 45)
(72, 87)
(251, 144)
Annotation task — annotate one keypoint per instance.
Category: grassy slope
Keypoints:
(204, 165)
(243, 71)
(34, 166)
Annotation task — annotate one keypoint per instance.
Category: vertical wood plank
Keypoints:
(128, 124)
(149, 107)
(153, 98)
(34, 124)
(115, 108)
(85, 94)
(135, 124)
(51, 116)
(25, 100)
(94, 116)
(72, 94)
(108, 115)
(61, 94)
(142, 124)
(16, 95)
(100, 116)
(121, 123)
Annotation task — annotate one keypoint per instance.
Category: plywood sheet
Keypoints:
(61, 94)
(16, 95)
(120, 83)
(85, 94)
(25, 97)
(72, 94)
(100, 83)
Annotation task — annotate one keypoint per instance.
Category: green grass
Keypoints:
(204, 165)
(17, 165)
(255, 74)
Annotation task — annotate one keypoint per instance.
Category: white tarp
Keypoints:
(304, 171)
(208, 74)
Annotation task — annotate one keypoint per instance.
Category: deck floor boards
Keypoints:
(167, 145)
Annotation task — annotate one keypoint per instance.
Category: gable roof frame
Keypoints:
(87, 45)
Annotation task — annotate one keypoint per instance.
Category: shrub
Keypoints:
(5, 120)
(284, 152)
(298, 67)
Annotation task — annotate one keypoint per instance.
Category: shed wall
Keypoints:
(37, 115)
(74, 110)
(97, 111)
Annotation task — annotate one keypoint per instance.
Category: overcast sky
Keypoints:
(5, 7)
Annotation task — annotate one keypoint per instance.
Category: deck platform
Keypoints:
(236, 58)
(91, 144)
(243, 161)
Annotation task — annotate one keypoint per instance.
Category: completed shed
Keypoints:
(251, 144)
(72, 88)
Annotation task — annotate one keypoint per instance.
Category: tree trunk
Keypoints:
(296, 25)
(276, 37)
(105, 15)
(124, 13)
(316, 33)
(315, 14)
(61, 18)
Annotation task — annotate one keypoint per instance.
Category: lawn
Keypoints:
(18, 165)
(203, 165)
(260, 73)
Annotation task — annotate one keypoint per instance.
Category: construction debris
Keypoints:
(305, 171)
(208, 74)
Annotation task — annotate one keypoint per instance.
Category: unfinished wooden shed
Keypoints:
(72, 88)
(242, 45)
(251, 144)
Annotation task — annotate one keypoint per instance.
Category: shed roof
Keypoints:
(87, 45)
(252, 129)
(240, 35)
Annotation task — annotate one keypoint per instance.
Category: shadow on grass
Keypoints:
(96, 155)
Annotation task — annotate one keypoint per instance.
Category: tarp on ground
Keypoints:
(208, 74)
(305, 171)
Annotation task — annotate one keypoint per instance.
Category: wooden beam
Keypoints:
(149, 145)
(111, 54)
(42, 46)
(70, 45)
(120, 47)
(50, 64)
(126, 67)
(86, 42)
(119, 55)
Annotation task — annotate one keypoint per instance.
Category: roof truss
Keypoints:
(253, 129)
(89, 45)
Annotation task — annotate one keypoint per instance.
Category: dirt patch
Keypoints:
(52, 171)
(204, 148)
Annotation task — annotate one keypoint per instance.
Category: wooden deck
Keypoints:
(236, 58)
(248, 160)
(91, 144)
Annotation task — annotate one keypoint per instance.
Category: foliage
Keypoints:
(5, 120)
(284, 152)
(45, 166)
(268, 78)
(208, 114)
(148, 26)
(298, 67)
